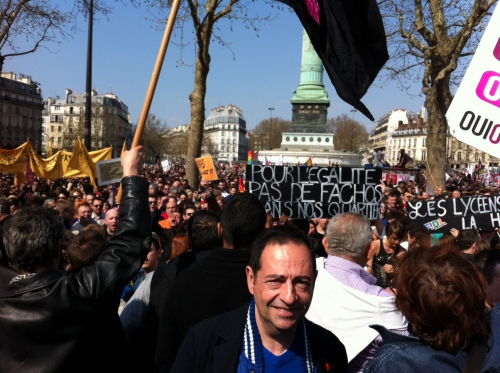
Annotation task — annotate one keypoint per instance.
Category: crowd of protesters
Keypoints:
(180, 279)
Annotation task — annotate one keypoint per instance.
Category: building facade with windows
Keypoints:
(64, 121)
(385, 125)
(20, 111)
(227, 129)
(410, 136)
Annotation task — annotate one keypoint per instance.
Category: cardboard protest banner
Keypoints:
(109, 171)
(13, 160)
(206, 167)
(166, 165)
(316, 192)
(439, 216)
(474, 114)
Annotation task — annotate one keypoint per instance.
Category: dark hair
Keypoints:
(467, 238)
(316, 240)
(492, 261)
(243, 218)
(32, 237)
(397, 215)
(166, 238)
(443, 296)
(86, 247)
(479, 261)
(395, 227)
(278, 235)
(202, 230)
(301, 224)
(4, 206)
(35, 201)
(420, 233)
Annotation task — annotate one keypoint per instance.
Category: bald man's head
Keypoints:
(111, 220)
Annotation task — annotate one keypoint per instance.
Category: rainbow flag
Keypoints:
(309, 162)
(241, 185)
(250, 157)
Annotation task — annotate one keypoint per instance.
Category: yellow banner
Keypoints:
(13, 160)
(81, 160)
(96, 156)
(51, 168)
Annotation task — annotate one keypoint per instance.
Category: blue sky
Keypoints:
(264, 72)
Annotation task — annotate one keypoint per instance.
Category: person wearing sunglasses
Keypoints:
(97, 213)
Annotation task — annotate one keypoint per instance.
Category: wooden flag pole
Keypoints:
(154, 80)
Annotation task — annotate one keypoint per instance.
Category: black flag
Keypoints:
(350, 40)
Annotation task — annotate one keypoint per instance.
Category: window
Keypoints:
(424, 155)
(223, 133)
(476, 157)
(423, 141)
(72, 99)
(234, 149)
(71, 109)
(234, 141)
(51, 128)
(82, 110)
(59, 140)
(222, 149)
(399, 142)
(52, 139)
(394, 155)
(59, 129)
(404, 143)
(57, 107)
(467, 157)
(459, 156)
(228, 141)
(414, 143)
(70, 120)
(70, 130)
(414, 154)
(52, 118)
(222, 141)
(234, 134)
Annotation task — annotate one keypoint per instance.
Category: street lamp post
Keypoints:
(352, 125)
(270, 126)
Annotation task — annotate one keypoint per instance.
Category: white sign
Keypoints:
(165, 165)
(474, 114)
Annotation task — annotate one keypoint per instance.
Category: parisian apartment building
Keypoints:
(64, 120)
(400, 129)
(21, 107)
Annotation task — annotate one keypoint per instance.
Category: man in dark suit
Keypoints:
(270, 333)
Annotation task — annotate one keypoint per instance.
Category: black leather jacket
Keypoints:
(61, 321)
